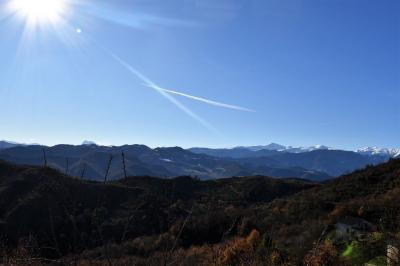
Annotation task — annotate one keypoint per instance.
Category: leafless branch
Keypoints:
(67, 167)
(44, 158)
(83, 171)
(124, 165)
(108, 168)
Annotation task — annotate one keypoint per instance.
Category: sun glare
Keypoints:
(39, 11)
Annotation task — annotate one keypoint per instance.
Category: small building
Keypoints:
(393, 252)
(351, 228)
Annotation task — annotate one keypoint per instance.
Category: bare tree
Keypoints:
(83, 171)
(171, 251)
(67, 166)
(108, 168)
(44, 158)
(124, 165)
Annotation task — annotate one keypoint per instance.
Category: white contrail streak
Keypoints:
(151, 84)
(154, 86)
(207, 101)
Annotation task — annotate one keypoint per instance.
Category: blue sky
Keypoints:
(314, 72)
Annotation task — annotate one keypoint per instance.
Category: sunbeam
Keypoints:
(135, 20)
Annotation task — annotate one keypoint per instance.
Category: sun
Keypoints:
(39, 11)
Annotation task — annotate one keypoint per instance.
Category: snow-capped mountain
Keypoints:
(282, 148)
(269, 147)
(306, 149)
(88, 143)
(370, 151)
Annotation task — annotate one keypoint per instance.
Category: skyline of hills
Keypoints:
(91, 161)
(367, 150)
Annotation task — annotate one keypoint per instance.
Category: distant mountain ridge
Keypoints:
(5, 144)
(90, 161)
(279, 147)
(8, 144)
(88, 142)
(370, 151)
(391, 152)
(271, 147)
(244, 151)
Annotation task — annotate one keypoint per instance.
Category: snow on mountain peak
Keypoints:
(274, 146)
(88, 142)
(392, 152)
(320, 147)
(291, 149)
(271, 147)
(307, 149)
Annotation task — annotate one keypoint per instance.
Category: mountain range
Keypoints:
(91, 161)
(370, 151)
(239, 151)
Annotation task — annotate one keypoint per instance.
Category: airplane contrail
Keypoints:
(166, 93)
(207, 101)
(151, 84)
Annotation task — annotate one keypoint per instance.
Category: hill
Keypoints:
(71, 215)
(7, 144)
(372, 194)
(332, 162)
(147, 221)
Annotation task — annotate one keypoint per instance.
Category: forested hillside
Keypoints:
(47, 216)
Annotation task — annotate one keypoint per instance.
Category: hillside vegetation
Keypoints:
(48, 217)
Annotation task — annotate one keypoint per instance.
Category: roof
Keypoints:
(350, 220)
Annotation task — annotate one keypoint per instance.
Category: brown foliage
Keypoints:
(323, 254)
(240, 251)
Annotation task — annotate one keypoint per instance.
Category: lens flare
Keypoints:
(39, 11)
